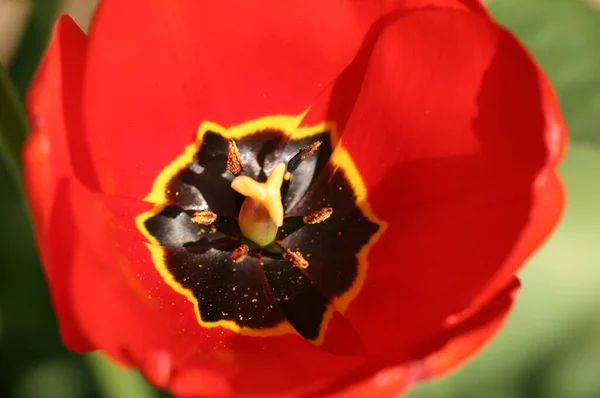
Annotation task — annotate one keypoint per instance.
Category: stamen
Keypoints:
(234, 159)
(204, 217)
(303, 154)
(318, 216)
(295, 258)
(239, 253)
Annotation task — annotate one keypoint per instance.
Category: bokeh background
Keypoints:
(550, 347)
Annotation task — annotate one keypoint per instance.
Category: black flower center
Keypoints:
(315, 264)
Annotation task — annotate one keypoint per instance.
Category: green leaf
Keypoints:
(33, 43)
(564, 36)
(13, 127)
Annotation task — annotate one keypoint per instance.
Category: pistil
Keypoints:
(262, 211)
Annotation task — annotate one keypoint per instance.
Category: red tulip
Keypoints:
(410, 147)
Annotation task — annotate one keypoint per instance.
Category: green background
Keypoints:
(550, 347)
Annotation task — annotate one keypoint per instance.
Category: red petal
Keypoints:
(45, 155)
(462, 338)
(470, 5)
(474, 5)
(467, 336)
(455, 133)
(182, 63)
(387, 383)
(185, 62)
(38, 178)
(46, 160)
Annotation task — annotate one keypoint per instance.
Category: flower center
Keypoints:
(263, 227)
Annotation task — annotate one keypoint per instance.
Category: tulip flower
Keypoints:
(275, 198)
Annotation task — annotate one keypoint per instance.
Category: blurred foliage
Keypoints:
(33, 43)
(33, 361)
(550, 347)
(13, 127)
(564, 36)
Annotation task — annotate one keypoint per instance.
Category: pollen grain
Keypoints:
(239, 253)
(318, 216)
(204, 217)
(295, 258)
(234, 159)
